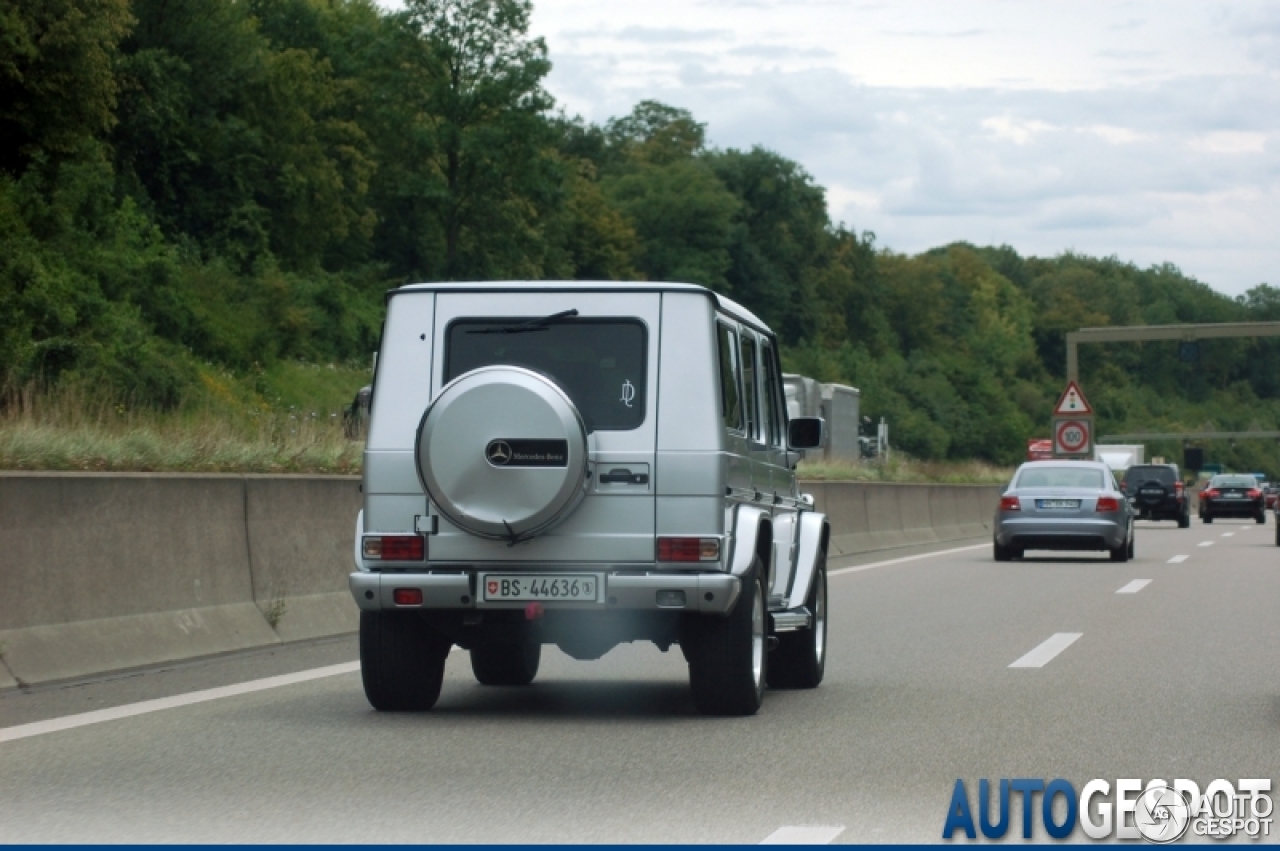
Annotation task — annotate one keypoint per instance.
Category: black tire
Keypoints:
(1120, 553)
(728, 656)
(1184, 520)
(511, 663)
(1001, 553)
(1278, 531)
(1132, 545)
(1207, 518)
(401, 661)
(800, 659)
(1261, 518)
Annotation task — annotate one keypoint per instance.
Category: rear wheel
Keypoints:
(1278, 531)
(727, 657)
(1132, 541)
(1261, 517)
(507, 663)
(800, 659)
(1001, 553)
(1184, 520)
(1207, 517)
(401, 661)
(1121, 553)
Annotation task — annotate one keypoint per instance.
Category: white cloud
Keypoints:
(1018, 132)
(1117, 135)
(1230, 142)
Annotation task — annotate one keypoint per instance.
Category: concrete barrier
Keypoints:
(109, 571)
(872, 516)
(112, 571)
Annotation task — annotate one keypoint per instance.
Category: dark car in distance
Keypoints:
(1232, 495)
(1156, 492)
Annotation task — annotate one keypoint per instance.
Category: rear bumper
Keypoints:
(1232, 509)
(709, 593)
(1166, 509)
(1035, 534)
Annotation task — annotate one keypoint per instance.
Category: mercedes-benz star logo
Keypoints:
(498, 452)
(1162, 814)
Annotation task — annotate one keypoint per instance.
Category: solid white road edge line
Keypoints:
(69, 722)
(1178, 559)
(804, 834)
(1135, 586)
(1051, 647)
(904, 559)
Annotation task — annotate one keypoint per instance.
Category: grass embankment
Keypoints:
(286, 419)
(900, 468)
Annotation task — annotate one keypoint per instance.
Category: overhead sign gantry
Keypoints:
(1141, 333)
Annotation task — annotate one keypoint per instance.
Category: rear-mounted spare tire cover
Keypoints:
(502, 453)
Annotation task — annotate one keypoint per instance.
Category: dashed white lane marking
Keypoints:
(1206, 543)
(1051, 647)
(804, 834)
(98, 716)
(1135, 586)
(905, 559)
(1228, 534)
(1178, 559)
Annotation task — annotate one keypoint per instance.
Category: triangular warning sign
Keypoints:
(1072, 401)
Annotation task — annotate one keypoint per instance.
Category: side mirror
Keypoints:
(805, 433)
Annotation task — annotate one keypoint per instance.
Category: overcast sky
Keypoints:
(1145, 130)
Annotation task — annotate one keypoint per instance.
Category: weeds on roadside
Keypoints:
(901, 468)
(78, 428)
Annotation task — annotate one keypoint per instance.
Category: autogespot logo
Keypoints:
(1158, 812)
(1162, 814)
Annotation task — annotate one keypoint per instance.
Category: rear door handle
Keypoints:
(623, 476)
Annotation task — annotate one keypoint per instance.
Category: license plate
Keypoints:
(1153, 491)
(1057, 503)
(541, 587)
(1233, 496)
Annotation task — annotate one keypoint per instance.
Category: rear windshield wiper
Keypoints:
(539, 324)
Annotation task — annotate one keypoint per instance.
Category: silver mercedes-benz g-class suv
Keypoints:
(583, 464)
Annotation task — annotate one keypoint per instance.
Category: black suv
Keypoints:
(1157, 493)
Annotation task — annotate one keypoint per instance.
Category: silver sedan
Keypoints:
(1063, 505)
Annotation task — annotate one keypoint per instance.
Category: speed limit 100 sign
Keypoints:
(1072, 436)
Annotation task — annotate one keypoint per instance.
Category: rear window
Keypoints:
(1234, 482)
(599, 363)
(1059, 477)
(1164, 475)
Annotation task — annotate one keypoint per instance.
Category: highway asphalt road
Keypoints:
(1175, 678)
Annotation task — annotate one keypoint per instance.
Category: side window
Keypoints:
(730, 402)
(775, 405)
(751, 396)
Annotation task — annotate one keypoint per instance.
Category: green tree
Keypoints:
(58, 84)
(488, 154)
(782, 249)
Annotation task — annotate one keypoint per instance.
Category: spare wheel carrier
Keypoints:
(502, 453)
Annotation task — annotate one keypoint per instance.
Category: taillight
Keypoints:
(1108, 503)
(688, 549)
(1254, 493)
(394, 547)
(1178, 488)
(1211, 493)
(1009, 503)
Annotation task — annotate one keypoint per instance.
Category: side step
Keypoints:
(791, 620)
